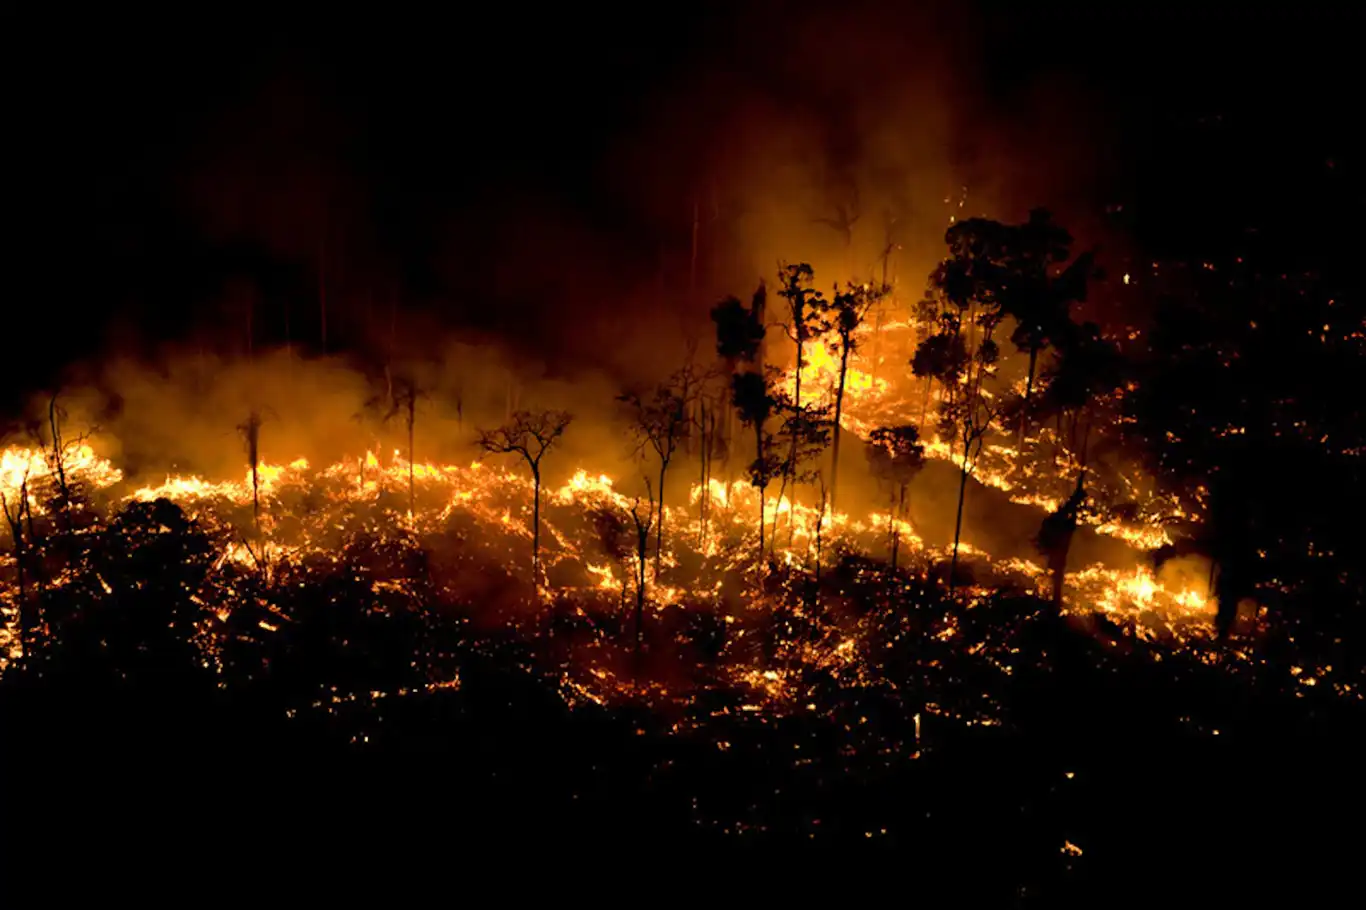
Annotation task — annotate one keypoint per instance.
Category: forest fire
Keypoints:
(283, 529)
(754, 593)
(927, 427)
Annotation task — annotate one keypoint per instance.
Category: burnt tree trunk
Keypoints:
(925, 405)
(839, 410)
(16, 525)
(659, 531)
(958, 524)
(1024, 410)
(536, 525)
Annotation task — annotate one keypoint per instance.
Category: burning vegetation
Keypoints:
(752, 575)
(749, 588)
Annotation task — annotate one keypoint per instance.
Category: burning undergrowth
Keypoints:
(348, 595)
(450, 544)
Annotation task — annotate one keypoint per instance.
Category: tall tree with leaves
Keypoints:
(804, 319)
(844, 314)
(964, 296)
(1081, 387)
(530, 435)
(895, 457)
(740, 345)
(754, 399)
(1028, 288)
(942, 356)
(805, 433)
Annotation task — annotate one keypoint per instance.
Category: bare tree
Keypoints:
(530, 435)
(56, 448)
(847, 210)
(251, 436)
(642, 523)
(710, 407)
(15, 518)
(973, 420)
(50, 436)
(659, 422)
(405, 399)
(55, 416)
(820, 522)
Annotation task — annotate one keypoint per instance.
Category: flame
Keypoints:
(878, 391)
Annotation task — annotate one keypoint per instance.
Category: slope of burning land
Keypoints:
(297, 514)
(393, 580)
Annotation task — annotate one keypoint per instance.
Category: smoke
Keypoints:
(1187, 573)
(368, 215)
(589, 214)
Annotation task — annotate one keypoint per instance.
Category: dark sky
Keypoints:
(502, 168)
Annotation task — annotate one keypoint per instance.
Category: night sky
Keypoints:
(500, 170)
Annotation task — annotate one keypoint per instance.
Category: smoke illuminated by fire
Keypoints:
(497, 496)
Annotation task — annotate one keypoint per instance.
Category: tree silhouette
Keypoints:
(659, 421)
(805, 434)
(964, 296)
(740, 329)
(753, 397)
(611, 529)
(1023, 258)
(942, 356)
(804, 320)
(14, 516)
(642, 526)
(740, 345)
(708, 428)
(845, 205)
(895, 457)
(1242, 390)
(890, 245)
(845, 312)
(1055, 537)
(530, 435)
(57, 448)
(1088, 372)
(404, 398)
(250, 429)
